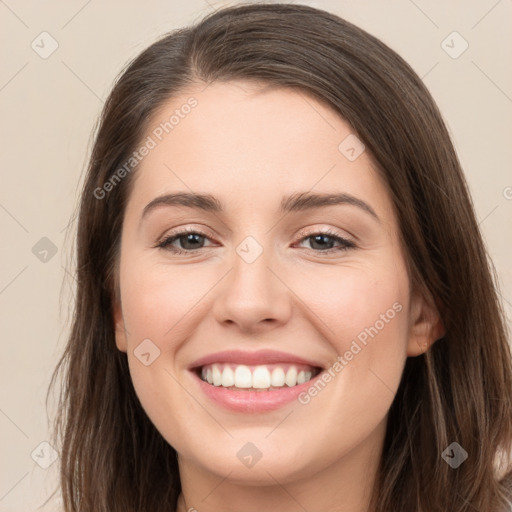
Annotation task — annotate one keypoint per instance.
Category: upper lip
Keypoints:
(259, 357)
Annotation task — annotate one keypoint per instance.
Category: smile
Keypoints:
(262, 377)
(253, 382)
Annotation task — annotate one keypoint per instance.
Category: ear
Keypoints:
(120, 330)
(426, 325)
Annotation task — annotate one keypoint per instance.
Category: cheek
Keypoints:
(156, 299)
(161, 303)
(351, 300)
(364, 316)
(158, 305)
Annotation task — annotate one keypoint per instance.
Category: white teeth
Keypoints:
(228, 377)
(243, 377)
(277, 378)
(291, 376)
(216, 375)
(260, 377)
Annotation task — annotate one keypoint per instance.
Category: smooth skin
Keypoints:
(250, 145)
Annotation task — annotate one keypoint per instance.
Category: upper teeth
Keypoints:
(257, 377)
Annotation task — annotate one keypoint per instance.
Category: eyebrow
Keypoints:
(300, 201)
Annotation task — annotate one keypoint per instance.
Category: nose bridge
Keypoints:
(251, 265)
(252, 294)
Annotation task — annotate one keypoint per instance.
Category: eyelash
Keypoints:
(346, 244)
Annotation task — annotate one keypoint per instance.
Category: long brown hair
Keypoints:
(112, 457)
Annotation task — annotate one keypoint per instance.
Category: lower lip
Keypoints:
(253, 401)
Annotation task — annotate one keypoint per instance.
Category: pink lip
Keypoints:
(252, 401)
(252, 358)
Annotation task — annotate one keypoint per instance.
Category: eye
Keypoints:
(190, 240)
(323, 242)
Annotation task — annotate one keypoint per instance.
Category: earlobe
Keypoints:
(426, 326)
(120, 331)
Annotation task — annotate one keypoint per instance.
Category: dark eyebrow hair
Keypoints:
(305, 201)
(299, 201)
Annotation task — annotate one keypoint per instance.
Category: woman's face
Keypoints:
(258, 297)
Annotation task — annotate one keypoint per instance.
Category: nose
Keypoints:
(253, 296)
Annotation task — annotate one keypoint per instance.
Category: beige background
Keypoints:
(48, 108)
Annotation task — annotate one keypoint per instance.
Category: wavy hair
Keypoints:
(112, 457)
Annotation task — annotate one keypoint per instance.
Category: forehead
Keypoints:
(247, 142)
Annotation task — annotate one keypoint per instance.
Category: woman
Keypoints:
(284, 301)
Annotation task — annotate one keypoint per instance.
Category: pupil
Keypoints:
(191, 238)
(322, 238)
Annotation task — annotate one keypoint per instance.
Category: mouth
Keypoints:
(253, 382)
(267, 377)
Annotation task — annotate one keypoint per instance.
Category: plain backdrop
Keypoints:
(59, 60)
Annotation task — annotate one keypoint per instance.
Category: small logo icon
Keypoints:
(351, 147)
(249, 455)
(44, 250)
(44, 455)
(454, 455)
(454, 45)
(44, 45)
(249, 249)
(146, 352)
